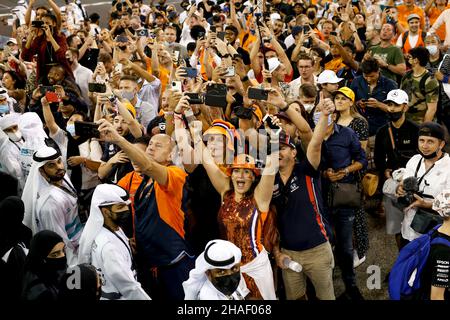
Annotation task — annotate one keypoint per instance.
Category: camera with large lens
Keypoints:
(411, 187)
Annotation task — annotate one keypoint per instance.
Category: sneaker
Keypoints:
(356, 260)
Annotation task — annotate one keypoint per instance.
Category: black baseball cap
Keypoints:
(432, 129)
(286, 139)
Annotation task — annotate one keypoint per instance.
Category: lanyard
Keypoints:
(426, 172)
(126, 246)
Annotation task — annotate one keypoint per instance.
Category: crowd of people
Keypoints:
(220, 150)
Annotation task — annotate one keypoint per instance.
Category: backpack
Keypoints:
(405, 276)
(423, 92)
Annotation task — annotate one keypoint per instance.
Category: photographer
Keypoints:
(431, 170)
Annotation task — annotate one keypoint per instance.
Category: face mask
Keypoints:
(227, 284)
(430, 156)
(433, 49)
(56, 264)
(15, 136)
(308, 106)
(71, 129)
(317, 116)
(122, 217)
(311, 15)
(129, 95)
(15, 52)
(4, 108)
(395, 116)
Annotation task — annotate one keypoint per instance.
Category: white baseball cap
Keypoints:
(397, 96)
(328, 76)
(273, 64)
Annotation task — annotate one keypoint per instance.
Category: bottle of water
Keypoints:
(294, 266)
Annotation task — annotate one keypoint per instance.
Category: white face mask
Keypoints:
(71, 129)
(129, 95)
(317, 116)
(433, 49)
(308, 106)
(15, 136)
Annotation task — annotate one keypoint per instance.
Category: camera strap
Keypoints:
(426, 172)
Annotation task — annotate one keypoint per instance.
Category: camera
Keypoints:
(411, 187)
(176, 86)
(216, 95)
(37, 23)
(142, 33)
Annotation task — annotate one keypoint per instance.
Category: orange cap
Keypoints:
(224, 128)
(243, 161)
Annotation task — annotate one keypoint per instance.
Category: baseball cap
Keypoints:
(413, 16)
(11, 40)
(346, 91)
(328, 76)
(397, 96)
(274, 63)
(432, 129)
(286, 139)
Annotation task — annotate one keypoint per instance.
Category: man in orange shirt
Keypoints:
(408, 8)
(433, 9)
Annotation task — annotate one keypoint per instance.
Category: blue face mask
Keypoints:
(4, 108)
(317, 116)
(71, 129)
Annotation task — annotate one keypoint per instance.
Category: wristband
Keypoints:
(179, 113)
(445, 79)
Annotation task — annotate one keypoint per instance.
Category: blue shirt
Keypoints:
(300, 208)
(375, 117)
(341, 148)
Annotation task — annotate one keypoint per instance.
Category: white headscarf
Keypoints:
(32, 128)
(217, 251)
(9, 120)
(104, 195)
(441, 203)
(36, 186)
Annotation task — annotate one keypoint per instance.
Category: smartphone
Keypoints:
(87, 129)
(230, 72)
(333, 33)
(216, 95)
(268, 119)
(258, 94)
(176, 55)
(201, 35)
(191, 72)
(37, 23)
(221, 35)
(306, 28)
(194, 98)
(142, 33)
(45, 89)
(122, 39)
(243, 113)
(118, 67)
(97, 87)
(52, 97)
(176, 86)
(213, 29)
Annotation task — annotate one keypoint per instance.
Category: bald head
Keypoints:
(160, 148)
